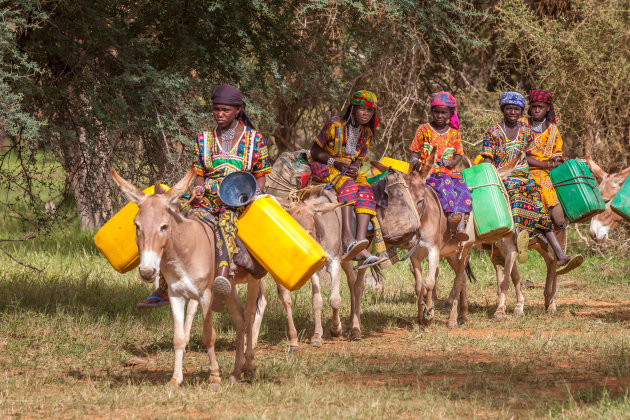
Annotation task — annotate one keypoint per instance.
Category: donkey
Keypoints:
(182, 250)
(319, 214)
(609, 186)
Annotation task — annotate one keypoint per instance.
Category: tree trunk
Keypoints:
(87, 162)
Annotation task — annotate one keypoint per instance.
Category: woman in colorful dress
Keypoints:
(509, 139)
(443, 133)
(233, 146)
(336, 157)
(546, 151)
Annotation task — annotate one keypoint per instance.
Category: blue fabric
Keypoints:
(512, 98)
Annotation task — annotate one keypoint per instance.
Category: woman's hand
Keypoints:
(352, 171)
(197, 194)
(416, 164)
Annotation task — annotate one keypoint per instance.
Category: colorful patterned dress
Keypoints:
(332, 139)
(546, 146)
(528, 210)
(213, 163)
(448, 183)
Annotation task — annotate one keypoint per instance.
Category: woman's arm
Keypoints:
(535, 163)
(318, 154)
(452, 163)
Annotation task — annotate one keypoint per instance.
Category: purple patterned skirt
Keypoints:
(452, 192)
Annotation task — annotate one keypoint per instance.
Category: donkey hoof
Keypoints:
(336, 332)
(551, 311)
(461, 321)
(518, 312)
(316, 342)
(174, 382)
(451, 325)
(292, 350)
(355, 335)
(233, 379)
(215, 387)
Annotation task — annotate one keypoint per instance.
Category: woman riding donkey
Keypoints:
(505, 141)
(336, 158)
(443, 133)
(233, 146)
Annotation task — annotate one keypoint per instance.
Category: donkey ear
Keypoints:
(594, 167)
(621, 176)
(178, 189)
(425, 172)
(378, 165)
(509, 167)
(132, 193)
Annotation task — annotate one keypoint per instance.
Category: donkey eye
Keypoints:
(163, 228)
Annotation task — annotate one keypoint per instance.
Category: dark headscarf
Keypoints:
(542, 95)
(229, 95)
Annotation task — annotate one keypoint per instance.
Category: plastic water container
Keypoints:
(279, 243)
(621, 203)
(117, 238)
(577, 191)
(399, 165)
(491, 205)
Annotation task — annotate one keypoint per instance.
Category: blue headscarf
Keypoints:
(512, 98)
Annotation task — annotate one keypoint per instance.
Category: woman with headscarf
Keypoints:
(546, 151)
(509, 139)
(234, 145)
(336, 158)
(443, 133)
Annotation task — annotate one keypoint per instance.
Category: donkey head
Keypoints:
(609, 186)
(153, 221)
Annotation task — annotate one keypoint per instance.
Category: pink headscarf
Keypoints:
(443, 98)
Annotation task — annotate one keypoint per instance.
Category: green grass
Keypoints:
(72, 344)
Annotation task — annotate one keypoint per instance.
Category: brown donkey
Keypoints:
(319, 213)
(609, 186)
(182, 250)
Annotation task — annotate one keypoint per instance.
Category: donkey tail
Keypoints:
(469, 273)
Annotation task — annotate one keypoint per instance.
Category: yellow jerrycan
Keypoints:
(279, 243)
(117, 238)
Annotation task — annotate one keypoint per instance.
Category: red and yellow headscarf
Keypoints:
(366, 98)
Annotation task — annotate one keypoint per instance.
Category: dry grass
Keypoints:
(72, 344)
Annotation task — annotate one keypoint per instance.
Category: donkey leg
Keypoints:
(429, 285)
(236, 311)
(191, 309)
(551, 281)
(178, 307)
(356, 284)
(454, 298)
(335, 298)
(416, 269)
(209, 338)
(250, 312)
(520, 299)
(316, 301)
(503, 282)
(285, 297)
(262, 304)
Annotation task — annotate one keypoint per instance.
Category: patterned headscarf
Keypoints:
(443, 98)
(542, 95)
(365, 98)
(512, 98)
(229, 95)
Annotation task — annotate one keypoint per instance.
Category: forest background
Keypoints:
(90, 84)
